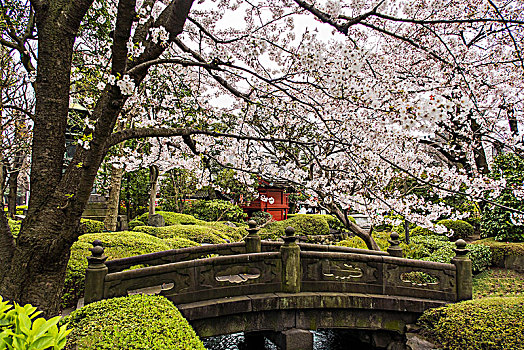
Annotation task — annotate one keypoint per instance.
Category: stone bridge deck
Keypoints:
(255, 286)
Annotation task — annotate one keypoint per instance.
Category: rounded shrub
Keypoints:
(197, 233)
(440, 249)
(261, 217)
(134, 223)
(136, 322)
(91, 226)
(215, 210)
(490, 323)
(172, 218)
(303, 224)
(15, 225)
(421, 231)
(461, 229)
(381, 238)
(116, 245)
(499, 250)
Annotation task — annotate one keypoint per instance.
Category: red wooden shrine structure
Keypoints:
(272, 199)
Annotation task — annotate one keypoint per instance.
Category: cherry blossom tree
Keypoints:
(342, 97)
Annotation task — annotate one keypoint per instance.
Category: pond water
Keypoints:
(323, 340)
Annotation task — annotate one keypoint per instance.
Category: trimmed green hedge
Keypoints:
(136, 322)
(303, 224)
(197, 233)
(172, 218)
(134, 223)
(91, 226)
(333, 222)
(215, 210)
(490, 323)
(381, 238)
(431, 248)
(461, 229)
(117, 245)
(501, 249)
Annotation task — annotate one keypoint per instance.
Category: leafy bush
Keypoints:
(117, 245)
(498, 222)
(215, 210)
(303, 224)
(134, 223)
(261, 217)
(91, 226)
(20, 329)
(332, 221)
(461, 229)
(172, 218)
(490, 323)
(197, 233)
(381, 238)
(421, 231)
(439, 249)
(15, 225)
(136, 322)
(499, 250)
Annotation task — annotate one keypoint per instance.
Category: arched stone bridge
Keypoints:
(285, 288)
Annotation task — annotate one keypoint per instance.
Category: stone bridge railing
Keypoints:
(255, 267)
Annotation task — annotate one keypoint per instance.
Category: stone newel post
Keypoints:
(95, 274)
(464, 274)
(290, 251)
(253, 240)
(394, 248)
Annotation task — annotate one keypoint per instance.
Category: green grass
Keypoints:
(498, 282)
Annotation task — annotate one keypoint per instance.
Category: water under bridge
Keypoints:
(282, 290)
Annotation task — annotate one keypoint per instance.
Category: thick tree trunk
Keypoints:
(354, 228)
(113, 203)
(13, 189)
(153, 180)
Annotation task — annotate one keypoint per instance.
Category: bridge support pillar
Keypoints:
(254, 340)
(292, 339)
(464, 274)
(290, 251)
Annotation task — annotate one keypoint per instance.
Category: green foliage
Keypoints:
(15, 225)
(303, 224)
(439, 249)
(21, 330)
(499, 250)
(135, 192)
(490, 323)
(261, 217)
(216, 210)
(117, 245)
(381, 238)
(175, 187)
(197, 233)
(138, 322)
(333, 222)
(173, 218)
(420, 231)
(498, 222)
(134, 223)
(91, 226)
(461, 229)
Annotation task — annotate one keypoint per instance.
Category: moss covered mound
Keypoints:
(381, 238)
(173, 218)
(117, 245)
(197, 233)
(303, 224)
(91, 226)
(135, 322)
(460, 228)
(220, 229)
(491, 323)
